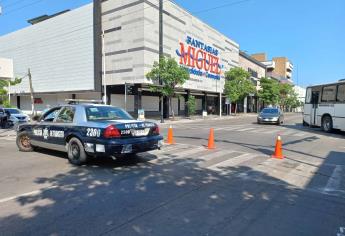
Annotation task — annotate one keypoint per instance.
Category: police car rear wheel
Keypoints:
(23, 142)
(76, 152)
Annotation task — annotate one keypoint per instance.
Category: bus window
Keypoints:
(341, 93)
(328, 93)
(308, 96)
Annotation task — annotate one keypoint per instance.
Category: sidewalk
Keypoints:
(7, 132)
(181, 120)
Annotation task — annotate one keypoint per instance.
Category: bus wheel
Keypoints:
(327, 124)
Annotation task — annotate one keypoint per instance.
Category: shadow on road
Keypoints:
(315, 130)
(170, 197)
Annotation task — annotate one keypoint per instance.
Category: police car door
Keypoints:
(62, 125)
(40, 130)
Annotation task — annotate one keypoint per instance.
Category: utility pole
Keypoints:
(125, 96)
(9, 91)
(103, 79)
(161, 52)
(31, 94)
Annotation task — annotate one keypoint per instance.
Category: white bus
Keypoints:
(325, 106)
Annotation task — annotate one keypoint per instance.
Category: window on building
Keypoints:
(341, 93)
(253, 73)
(328, 93)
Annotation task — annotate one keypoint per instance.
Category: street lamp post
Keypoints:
(161, 52)
(103, 79)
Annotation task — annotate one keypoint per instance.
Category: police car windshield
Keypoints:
(94, 113)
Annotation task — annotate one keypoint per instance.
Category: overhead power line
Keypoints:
(19, 8)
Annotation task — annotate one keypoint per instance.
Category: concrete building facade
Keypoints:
(132, 47)
(257, 71)
(64, 54)
(279, 68)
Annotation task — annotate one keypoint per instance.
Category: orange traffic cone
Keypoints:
(278, 152)
(170, 139)
(211, 140)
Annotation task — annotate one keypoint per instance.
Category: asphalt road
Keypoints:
(184, 189)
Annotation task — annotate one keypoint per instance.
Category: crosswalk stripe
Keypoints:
(335, 180)
(288, 132)
(233, 128)
(246, 129)
(301, 175)
(207, 158)
(271, 167)
(300, 134)
(271, 131)
(233, 161)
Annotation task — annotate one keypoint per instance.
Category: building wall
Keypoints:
(123, 23)
(50, 100)
(132, 46)
(245, 64)
(177, 26)
(259, 56)
(280, 68)
(59, 52)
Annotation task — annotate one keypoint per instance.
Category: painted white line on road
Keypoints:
(300, 134)
(288, 132)
(335, 180)
(301, 175)
(246, 129)
(272, 131)
(201, 159)
(233, 161)
(15, 197)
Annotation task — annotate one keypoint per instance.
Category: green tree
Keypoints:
(4, 86)
(237, 85)
(292, 101)
(269, 92)
(171, 76)
(286, 92)
(191, 105)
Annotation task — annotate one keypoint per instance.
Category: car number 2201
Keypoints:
(90, 132)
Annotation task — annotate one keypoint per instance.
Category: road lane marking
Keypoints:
(233, 161)
(201, 160)
(288, 132)
(300, 134)
(335, 180)
(246, 129)
(301, 175)
(36, 192)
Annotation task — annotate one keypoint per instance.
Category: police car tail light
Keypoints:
(155, 130)
(112, 132)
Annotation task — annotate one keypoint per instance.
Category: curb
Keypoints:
(182, 121)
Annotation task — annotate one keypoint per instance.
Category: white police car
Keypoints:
(84, 130)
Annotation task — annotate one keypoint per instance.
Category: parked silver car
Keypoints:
(271, 116)
(17, 116)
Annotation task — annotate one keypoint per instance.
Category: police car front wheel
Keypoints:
(23, 142)
(76, 152)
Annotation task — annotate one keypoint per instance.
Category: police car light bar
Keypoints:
(78, 101)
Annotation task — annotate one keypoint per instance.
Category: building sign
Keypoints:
(201, 59)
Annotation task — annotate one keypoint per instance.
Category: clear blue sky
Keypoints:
(311, 33)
